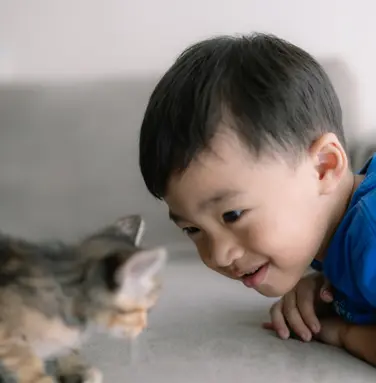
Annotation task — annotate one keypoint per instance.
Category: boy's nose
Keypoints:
(225, 251)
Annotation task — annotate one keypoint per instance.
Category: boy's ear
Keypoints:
(330, 161)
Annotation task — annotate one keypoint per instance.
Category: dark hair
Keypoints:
(272, 93)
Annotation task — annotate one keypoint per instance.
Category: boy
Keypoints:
(243, 139)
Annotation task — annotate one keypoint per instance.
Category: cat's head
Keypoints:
(122, 282)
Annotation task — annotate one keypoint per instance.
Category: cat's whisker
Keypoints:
(134, 350)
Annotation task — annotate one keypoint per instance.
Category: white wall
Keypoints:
(47, 39)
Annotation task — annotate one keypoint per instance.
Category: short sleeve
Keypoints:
(362, 244)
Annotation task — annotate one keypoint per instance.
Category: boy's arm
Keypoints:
(360, 341)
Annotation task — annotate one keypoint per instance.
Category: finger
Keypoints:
(278, 320)
(269, 326)
(306, 303)
(326, 292)
(294, 318)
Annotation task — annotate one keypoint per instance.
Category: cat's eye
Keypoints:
(232, 216)
(190, 230)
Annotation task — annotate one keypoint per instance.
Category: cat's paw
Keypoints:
(91, 375)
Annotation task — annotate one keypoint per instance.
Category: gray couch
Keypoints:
(69, 158)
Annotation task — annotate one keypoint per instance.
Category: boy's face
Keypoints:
(243, 214)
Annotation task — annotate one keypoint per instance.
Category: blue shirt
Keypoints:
(350, 260)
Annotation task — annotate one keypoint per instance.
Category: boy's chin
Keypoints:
(270, 291)
(274, 291)
(282, 286)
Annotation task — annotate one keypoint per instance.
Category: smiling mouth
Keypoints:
(253, 272)
(256, 276)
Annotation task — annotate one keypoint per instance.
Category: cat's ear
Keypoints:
(135, 277)
(133, 226)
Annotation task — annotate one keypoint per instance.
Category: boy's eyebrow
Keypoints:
(175, 217)
(218, 197)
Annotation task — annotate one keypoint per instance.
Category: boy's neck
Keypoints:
(341, 202)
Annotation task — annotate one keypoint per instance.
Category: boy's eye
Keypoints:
(232, 216)
(190, 230)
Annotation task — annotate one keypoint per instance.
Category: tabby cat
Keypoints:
(53, 294)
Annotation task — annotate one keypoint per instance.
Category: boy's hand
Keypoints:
(298, 309)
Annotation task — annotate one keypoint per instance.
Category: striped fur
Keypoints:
(52, 294)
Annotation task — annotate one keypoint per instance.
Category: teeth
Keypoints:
(255, 270)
